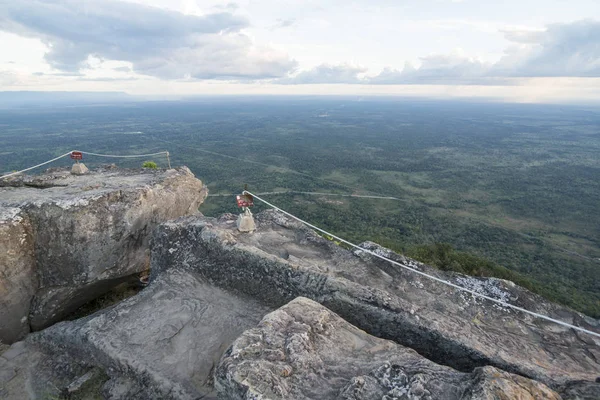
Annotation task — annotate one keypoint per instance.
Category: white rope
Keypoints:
(237, 158)
(311, 193)
(35, 166)
(455, 286)
(117, 156)
(84, 152)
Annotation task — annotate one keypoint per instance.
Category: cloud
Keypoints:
(229, 6)
(8, 78)
(124, 68)
(561, 50)
(67, 74)
(436, 69)
(284, 23)
(325, 73)
(157, 42)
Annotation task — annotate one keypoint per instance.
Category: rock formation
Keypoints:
(282, 313)
(305, 351)
(282, 260)
(66, 239)
(162, 343)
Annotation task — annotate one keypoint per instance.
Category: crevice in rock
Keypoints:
(114, 296)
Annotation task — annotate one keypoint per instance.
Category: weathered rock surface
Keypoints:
(162, 343)
(15, 371)
(18, 277)
(305, 351)
(79, 169)
(282, 260)
(79, 237)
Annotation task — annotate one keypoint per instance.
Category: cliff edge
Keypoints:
(283, 313)
(66, 239)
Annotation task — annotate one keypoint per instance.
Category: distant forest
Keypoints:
(505, 190)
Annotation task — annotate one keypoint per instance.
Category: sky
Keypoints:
(512, 50)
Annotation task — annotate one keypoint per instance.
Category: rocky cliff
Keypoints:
(283, 259)
(305, 351)
(282, 313)
(66, 239)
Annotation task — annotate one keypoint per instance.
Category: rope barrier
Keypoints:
(312, 193)
(453, 285)
(128, 156)
(35, 166)
(91, 154)
(286, 169)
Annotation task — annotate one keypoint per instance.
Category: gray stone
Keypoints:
(440, 322)
(81, 381)
(121, 388)
(7, 371)
(305, 351)
(18, 277)
(79, 237)
(245, 222)
(79, 169)
(14, 351)
(16, 367)
(162, 343)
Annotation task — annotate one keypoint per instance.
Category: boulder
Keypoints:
(282, 260)
(162, 343)
(79, 169)
(66, 239)
(245, 222)
(304, 351)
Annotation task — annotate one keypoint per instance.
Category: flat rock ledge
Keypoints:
(66, 239)
(283, 260)
(163, 343)
(304, 351)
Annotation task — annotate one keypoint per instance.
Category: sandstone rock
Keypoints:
(162, 343)
(79, 237)
(245, 222)
(18, 277)
(305, 351)
(439, 322)
(79, 169)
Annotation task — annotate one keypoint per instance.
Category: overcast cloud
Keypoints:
(158, 42)
(193, 46)
(562, 50)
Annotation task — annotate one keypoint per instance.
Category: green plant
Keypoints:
(149, 164)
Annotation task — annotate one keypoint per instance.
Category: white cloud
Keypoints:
(561, 50)
(343, 73)
(157, 42)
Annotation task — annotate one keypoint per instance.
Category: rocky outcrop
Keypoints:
(305, 351)
(67, 239)
(18, 277)
(282, 260)
(346, 325)
(166, 343)
(160, 344)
